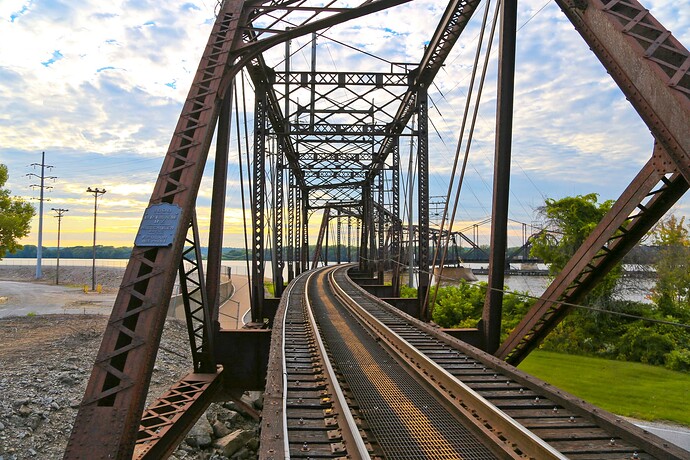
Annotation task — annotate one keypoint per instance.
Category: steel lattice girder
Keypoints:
(650, 195)
(653, 70)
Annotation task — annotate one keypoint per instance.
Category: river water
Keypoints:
(636, 288)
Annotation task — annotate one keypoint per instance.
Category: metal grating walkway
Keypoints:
(407, 422)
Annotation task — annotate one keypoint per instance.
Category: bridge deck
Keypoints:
(401, 417)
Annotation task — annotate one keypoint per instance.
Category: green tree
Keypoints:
(573, 218)
(672, 290)
(15, 217)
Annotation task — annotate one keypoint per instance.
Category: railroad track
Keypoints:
(400, 388)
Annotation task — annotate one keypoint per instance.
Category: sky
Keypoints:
(98, 87)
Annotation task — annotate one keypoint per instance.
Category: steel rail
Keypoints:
(353, 429)
(474, 407)
(286, 442)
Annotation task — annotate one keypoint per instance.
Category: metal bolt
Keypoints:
(305, 447)
(301, 421)
(522, 390)
(612, 442)
(555, 410)
(571, 419)
(635, 455)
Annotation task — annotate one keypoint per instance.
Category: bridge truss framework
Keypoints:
(344, 158)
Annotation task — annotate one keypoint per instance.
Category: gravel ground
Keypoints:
(46, 361)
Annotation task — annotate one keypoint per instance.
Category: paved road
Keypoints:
(19, 298)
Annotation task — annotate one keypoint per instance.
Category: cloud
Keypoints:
(99, 86)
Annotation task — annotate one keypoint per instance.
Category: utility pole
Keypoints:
(96, 192)
(41, 186)
(59, 212)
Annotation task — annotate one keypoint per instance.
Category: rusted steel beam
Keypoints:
(650, 66)
(649, 196)
(108, 418)
(196, 303)
(215, 234)
(493, 304)
(168, 419)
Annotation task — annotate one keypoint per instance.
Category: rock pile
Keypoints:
(227, 431)
(46, 362)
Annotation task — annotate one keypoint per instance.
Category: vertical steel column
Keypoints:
(328, 225)
(358, 246)
(349, 239)
(338, 238)
(305, 229)
(491, 316)
(258, 193)
(381, 220)
(372, 256)
(397, 223)
(291, 192)
(291, 225)
(423, 199)
(215, 235)
(298, 228)
(366, 222)
(278, 213)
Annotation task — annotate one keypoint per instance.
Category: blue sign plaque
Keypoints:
(159, 225)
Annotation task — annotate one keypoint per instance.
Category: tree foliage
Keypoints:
(672, 290)
(573, 218)
(15, 217)
(461, 306)
(654, 339)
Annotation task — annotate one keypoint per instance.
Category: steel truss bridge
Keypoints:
(341, 154)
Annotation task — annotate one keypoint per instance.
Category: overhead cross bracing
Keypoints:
(330, 142)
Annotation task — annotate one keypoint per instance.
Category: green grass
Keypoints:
(629, 389)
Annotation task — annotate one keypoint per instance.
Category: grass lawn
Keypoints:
(629, 389)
